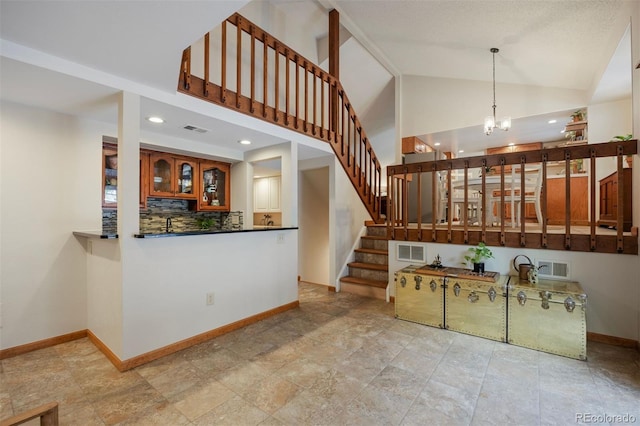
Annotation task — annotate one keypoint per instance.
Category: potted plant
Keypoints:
(477, 257)
(205, 222)
(579, 115)
(620, 138)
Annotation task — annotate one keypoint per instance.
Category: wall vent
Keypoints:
(411, 253)
(553, 269)
(195, 129)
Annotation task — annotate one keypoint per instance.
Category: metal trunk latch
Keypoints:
(456, 289)
(403, 281)
(433, 285)
(492, 294)
(522, 298)
(473, 297)
(418, 280)
(569, 304)
(583, 299)
(545, 296)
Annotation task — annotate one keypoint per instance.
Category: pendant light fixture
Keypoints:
(490, 122)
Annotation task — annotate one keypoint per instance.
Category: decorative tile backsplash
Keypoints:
(154, 218)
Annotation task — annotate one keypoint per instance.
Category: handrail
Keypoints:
(286, 89)
(48, 414)
(399, 179)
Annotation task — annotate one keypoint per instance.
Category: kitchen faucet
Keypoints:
(169, 225)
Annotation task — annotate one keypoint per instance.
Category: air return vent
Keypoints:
(195, 129)
(553, 269)
(411, 253)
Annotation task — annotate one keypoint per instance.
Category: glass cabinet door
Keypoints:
(214, 186)
(109, 176)
(162, 171)
(187, 173)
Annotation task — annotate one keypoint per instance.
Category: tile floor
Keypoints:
(340, 359)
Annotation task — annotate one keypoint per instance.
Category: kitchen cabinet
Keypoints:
(172, 176)
(609, 200)
(110, 176)
(215, 186)
(266, 194)
(533, 146)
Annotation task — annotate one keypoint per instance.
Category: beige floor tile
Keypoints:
(339, 359)
(197, 402)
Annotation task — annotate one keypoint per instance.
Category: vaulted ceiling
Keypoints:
(127, 44)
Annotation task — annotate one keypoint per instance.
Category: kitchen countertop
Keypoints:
(208, 232)
(95, 234)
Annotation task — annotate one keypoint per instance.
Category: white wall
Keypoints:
(314, 246)
(164, 297)
(348, 216)
(609, 280)
(49, 189)
(431, 105)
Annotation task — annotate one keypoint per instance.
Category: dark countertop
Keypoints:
(217, 231)
(95, 234)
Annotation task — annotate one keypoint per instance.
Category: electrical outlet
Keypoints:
(280, 238)
(210, 298)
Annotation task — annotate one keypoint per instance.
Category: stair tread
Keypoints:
(375, 237)
(372, 251)
(372, 266)
(363, 281)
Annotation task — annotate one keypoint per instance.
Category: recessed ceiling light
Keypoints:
(244, 142)
(156, 120)
(436, 144)
(511, 144)
(461, 151)
(553, 121)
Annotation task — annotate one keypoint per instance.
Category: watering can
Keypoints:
(523, 269)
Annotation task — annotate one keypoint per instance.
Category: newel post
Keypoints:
(334, 64)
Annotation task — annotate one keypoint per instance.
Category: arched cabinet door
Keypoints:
(172, 176)
(214, 186)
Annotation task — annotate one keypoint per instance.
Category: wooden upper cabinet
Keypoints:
(110, 176)
(215, 186)
(172, 176)
(515, 148)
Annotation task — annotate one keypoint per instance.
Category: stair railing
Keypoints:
(402, 226)
(240, 66)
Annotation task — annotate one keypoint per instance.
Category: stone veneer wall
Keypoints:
(153, 219)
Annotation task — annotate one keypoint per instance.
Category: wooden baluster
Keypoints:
(419, 201)
(592, 205)
(306, 96)
(315, 101)
(322, 123)
(522, 198)
(348, 136)
(252, 107)
(620, 201)
(435, 200)
(449, 203)
(277, 83)
(342, 108)
(297, 91)
(543, 199)
(502, 234)
(286, 90)
(567, 205)
(483, 192)
(223, 64)
(238, 63)
(390, 199)
(405, 204)
(205, 86)
(466, 203)
(265, 73)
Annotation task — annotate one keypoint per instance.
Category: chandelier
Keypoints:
(490, 122)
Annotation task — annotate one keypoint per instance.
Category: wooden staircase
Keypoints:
(369, 273)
